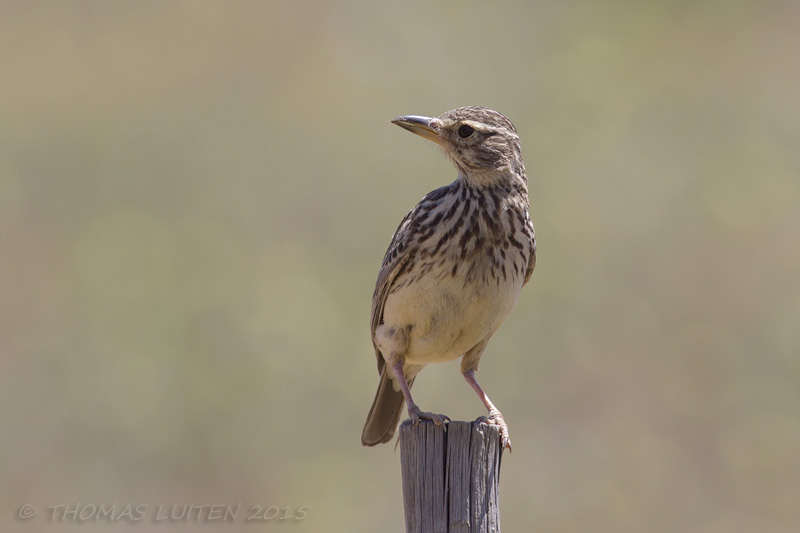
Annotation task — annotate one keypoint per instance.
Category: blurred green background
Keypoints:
(195, 198)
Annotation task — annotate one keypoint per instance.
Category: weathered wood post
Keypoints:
(451, 479)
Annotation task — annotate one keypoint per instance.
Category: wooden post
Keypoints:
(451, 479)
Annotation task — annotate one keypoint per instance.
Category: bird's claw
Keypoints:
(416, 415)
(495, 418)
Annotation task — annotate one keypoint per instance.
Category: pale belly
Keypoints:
(448, 318)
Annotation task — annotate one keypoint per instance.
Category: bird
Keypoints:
(455, 267)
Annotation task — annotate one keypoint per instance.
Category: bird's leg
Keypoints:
(413, 411)
(495, 416)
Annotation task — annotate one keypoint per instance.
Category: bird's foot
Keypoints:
(495, 418)
(416, 415)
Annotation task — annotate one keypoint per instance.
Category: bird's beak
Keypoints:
(426, 127)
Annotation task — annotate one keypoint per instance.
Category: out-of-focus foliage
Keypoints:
(195, 198)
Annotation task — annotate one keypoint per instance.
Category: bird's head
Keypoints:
(482, 143)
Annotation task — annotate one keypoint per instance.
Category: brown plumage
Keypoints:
(455, 266)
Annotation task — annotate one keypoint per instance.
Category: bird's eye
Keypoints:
(465, 131)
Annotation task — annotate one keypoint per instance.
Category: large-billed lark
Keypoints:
(455, 266)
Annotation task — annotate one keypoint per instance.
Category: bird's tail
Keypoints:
(385, 412)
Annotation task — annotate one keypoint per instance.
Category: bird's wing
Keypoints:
(402, 250)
